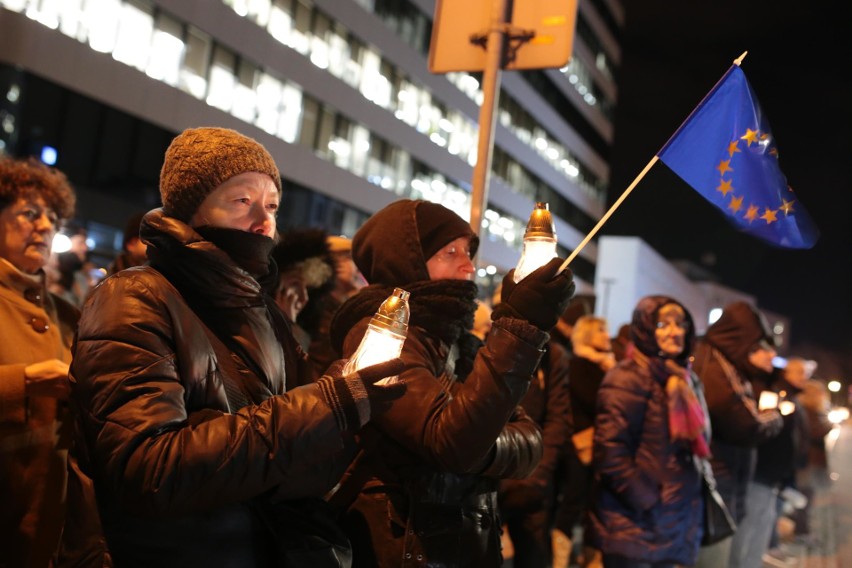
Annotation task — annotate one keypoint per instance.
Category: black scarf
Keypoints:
(249, 251)
(444, 308)
(221, 278)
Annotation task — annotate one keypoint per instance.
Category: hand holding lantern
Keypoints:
(385, 335)
(539, 242)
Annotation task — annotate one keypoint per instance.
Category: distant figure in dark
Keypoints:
(323, 302)
(621, 344)
(592, 359)
(305, 266)
(133, 248)
(736, 350)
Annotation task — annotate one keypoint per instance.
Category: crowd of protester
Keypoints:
(191, 408)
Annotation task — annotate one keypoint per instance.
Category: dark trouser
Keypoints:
(576, 494)
(530, 539)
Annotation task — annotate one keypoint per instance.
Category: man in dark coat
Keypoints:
(736, 350)
(424, 490)
(182, 379)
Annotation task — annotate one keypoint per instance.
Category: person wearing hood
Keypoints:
(735, 351)
(423, 491)
(650, 445)
(189, 426)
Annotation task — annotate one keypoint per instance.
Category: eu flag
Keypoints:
(726, 152)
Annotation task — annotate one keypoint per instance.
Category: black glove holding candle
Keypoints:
(539, 298)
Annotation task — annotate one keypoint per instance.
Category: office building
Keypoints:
(338, 90)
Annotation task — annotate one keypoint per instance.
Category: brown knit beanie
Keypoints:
(438, 226)
(200, 159)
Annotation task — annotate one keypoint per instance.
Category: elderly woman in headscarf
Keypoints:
(650, 444)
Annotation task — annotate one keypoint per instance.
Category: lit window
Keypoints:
(291, 115)
(134, 37)
(245, 97)
(102, 17)
(166, 52)
(268, 100)
(280, 24)
(193, 72)
(222, 80)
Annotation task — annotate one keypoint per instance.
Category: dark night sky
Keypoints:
(674, 52)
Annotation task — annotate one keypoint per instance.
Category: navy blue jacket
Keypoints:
(648, 499)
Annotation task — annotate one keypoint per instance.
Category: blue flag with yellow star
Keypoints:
(726, 152)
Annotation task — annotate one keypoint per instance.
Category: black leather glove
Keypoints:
(540, 298)
(355, 398)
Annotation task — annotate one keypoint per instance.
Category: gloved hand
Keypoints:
(540, 298)
(355, 398)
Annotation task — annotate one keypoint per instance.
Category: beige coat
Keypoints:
(34, 326)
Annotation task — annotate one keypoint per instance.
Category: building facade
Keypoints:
(338, 90)
(629, 269)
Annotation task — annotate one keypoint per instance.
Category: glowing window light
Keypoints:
(166, 54)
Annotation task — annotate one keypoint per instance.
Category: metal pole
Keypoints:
(487, 117)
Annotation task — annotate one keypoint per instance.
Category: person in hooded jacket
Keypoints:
(735, 350)
(182, 371)
(650, 445)
(423, 492)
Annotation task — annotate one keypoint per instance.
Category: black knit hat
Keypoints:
(438, 226)
(308, 251)
(200, 159)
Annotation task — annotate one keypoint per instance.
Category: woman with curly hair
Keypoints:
(34, 356)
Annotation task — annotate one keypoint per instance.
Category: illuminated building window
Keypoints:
(135, 28)
(220, 93)
(192, 77)
(166, 51)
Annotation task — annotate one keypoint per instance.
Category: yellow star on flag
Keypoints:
(725, 187)
(769, 215)
(787, 206)
(751, 214)
(736, 204)
(724, 166)
(733, 148)
(750, 136)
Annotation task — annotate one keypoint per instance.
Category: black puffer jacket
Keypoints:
(721, 361)
(432, 462)
(174, 469)
(648, 500)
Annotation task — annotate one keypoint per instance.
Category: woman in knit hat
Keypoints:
(188, 426)
(423, 492)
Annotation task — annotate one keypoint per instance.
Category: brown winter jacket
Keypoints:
(34, 431)
(175, 468)
(436, 456)
(433, 460)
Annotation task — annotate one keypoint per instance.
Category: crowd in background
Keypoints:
(187, 404)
